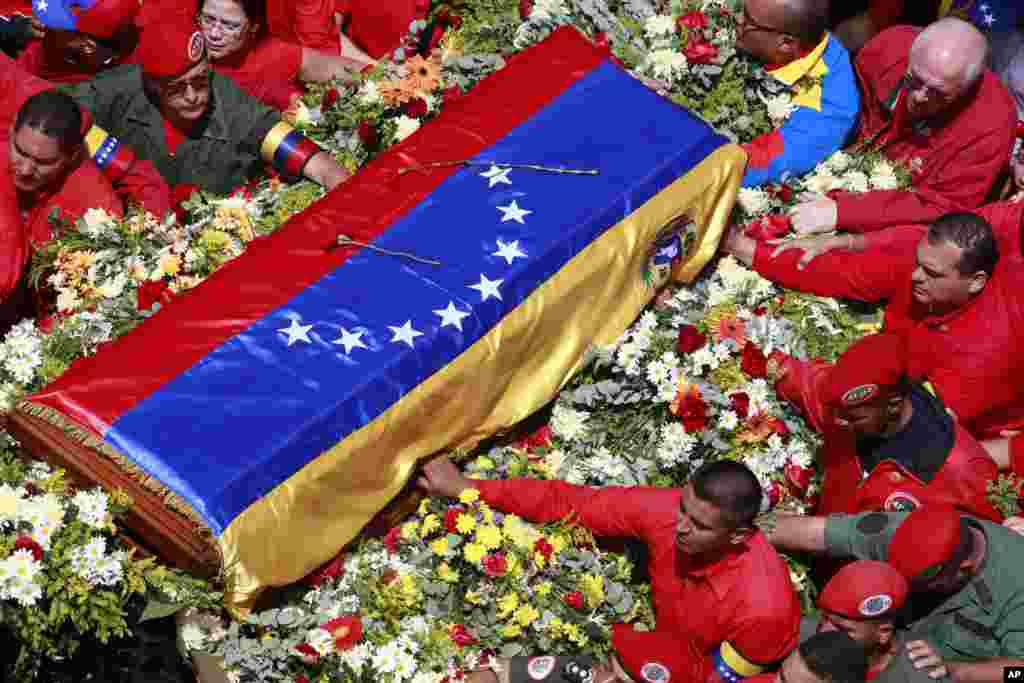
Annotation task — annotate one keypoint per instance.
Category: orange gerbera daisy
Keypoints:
(423, 75)
(395, 92)
(731, 327)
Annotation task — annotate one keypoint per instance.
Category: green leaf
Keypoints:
(158, 609)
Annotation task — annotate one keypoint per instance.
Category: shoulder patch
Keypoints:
(540, 668)
(875, 605)
(655, 672)
(196, 45)
(873, 523)
(901, 501)
(860, 394)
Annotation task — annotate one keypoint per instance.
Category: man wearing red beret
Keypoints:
(889, 444)
(717, 587)
(964, 575)
(195, 125)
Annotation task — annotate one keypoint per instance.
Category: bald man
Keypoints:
(932, 106)
(790, 37)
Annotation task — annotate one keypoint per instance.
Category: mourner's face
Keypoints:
(226, 28)
(79, 51)
(37, 160)
(700, 526)
(871, 633)
(933, 85)
(757, 32)
(937, 283)
(186, 97)
(868, 419)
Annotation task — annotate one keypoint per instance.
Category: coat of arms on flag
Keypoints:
(288, 398)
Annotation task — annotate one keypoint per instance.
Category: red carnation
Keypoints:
(452, 517)
(782, 191)
(740, 403)
(346, 631)
(151, 292)
(451, 94)
(799, 477)
(542, 546)
(774, 493)
(460, 635)
(779, 427)
(181, 192)
(301, 679)
(391, 540)
(700, 52)
(368, 134)
(690, 339)
(326, 572)
(603, 41)
(307, 653)
(753, 361)
(436, 35)
(541, 438)
(330, 97)
(525, 8)
(28, 543)
(693, 411)
(574, 600)
(694, 21)
(415, 108)
(760, 311)
(494, 564)
(768, 228)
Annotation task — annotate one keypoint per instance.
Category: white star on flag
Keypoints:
(41, 5)
(513, 213)
(990, 19)
(487, 288)
(496, 176)
(351, 340)
(983, 7)
(509, 251)
(297, 332)
(405, 333)
(451, 316)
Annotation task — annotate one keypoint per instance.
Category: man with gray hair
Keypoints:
(930, 105)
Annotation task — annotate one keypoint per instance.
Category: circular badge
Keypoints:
(860, 394)
(875, 605)
(196, 46)
(540, 668)
(655, 672)
(901, 501)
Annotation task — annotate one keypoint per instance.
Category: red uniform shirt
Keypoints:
(960, 481)
(745, 599)
(954, 160)
(305, 22)
(268, 70)
(971, 356)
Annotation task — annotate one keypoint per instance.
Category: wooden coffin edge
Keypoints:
(162, 523)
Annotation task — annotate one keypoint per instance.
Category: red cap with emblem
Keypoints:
(870, 365)
(655, 657)
(927, 538)
(171, 48)
(865, 589)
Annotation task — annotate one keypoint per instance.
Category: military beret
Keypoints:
(870, 365)
(927, 538)
(172, 48)
(865, 589)
(100, 18)
(652, 656)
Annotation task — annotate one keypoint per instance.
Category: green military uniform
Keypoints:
(221, 154)
(984, 619)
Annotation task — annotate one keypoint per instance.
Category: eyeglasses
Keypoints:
(914, 83)
(748, 24)
(228, 28)
(198, 83)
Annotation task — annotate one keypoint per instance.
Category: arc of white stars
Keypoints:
(497, 176)
(513, 212)
(404, 334)
(297, 332)
(487, 288)
(509, 251)
(451, 316)
(351, 340)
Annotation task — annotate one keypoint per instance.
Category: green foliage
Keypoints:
(1004, 494)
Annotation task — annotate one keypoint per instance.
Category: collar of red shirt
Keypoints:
(713, 567)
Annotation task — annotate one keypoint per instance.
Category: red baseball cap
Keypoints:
(927, 539)
(172, 48)
(653, 656)
(872, 364)
(865, 589)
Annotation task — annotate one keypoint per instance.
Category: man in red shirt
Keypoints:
(889, 443)
(716, 584)
(930, 105)
(961, 315)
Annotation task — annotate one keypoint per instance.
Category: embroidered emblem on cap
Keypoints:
(875, 605)
(196, 45)
(901, 501)
(655, 672)
(860, 394)
(540, 668)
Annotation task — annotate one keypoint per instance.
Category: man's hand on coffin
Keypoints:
(815, 246)
(814, 217)
(442, 478)
(1015, 523)
(739, 245)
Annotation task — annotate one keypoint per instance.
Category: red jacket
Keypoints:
(971, 356)
(956, 160)
(746, 598)
(268, 70)
(960, 481)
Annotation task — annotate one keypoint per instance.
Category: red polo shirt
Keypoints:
(746, 598)
(268, 70)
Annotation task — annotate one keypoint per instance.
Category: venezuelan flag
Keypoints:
(988, 15)
(289, 397)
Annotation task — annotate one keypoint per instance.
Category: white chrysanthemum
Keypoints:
(728, 421)
(568, 423)
(369, 93)
(43, 509)
(92, 507)
(24, 591)
(192, 637)
(839, 161)
(822, 182)
(883, 176)
(95, 222)
(405, 666)
(703, 357)
(753, 200)
(357, 657)
(385, 659)
(67, 300)
(779, 108)
(549, 9)
(113, 287)
(406, 127)
(666, 64)
(554, 459)
(427, 677)
(758, 391)
(42, 533)
(675, 445)
(659, 26)
(856, 181)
